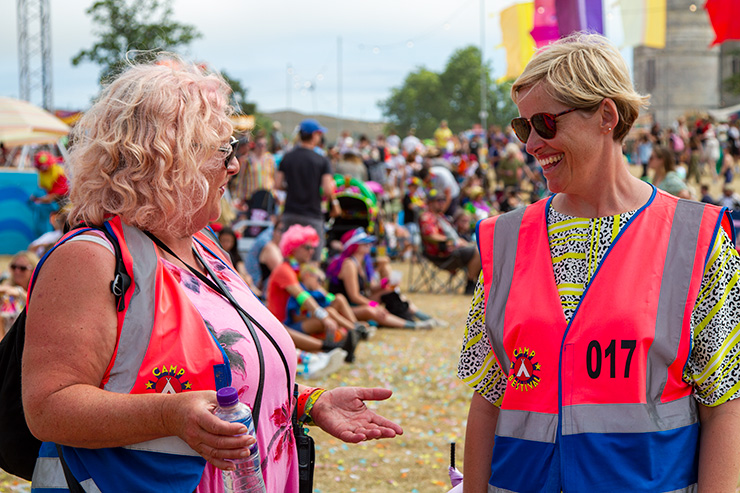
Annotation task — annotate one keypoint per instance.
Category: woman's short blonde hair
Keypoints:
(582, 70)
(142, 151)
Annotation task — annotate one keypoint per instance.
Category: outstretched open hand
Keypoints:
(342, 413)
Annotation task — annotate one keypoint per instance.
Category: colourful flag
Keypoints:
(516, 24)
(643, 22)
(723, 14)
(579, 15)
(545, 29)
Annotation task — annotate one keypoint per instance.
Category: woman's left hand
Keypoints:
(342, 413)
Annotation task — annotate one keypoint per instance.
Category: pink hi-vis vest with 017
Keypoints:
(163, 346)
(597, 404)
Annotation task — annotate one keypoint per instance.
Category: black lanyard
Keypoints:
(218, 286)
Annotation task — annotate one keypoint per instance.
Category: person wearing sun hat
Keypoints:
(304, 174)
(351, 274)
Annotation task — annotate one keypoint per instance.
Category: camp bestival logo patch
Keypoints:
(524, 371)
(168, 380)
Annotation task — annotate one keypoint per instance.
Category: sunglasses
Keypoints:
(543, 124)
(229, 148)
(309, 247)
(22, 268)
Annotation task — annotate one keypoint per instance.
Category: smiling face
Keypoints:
(572, 156)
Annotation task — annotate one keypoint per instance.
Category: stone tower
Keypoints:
(686, 75)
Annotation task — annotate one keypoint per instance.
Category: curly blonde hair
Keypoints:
(580, 71)
(141, 151)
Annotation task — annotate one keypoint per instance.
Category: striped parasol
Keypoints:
(24, 123)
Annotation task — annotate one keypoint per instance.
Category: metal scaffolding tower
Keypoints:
(34, 51)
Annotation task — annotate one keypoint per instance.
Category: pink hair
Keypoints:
(296, 236)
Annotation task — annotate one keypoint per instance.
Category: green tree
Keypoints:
(426, 97)
(125, 25)
(239, 95)
(415, 104)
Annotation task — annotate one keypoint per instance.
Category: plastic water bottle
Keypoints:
(247, 477)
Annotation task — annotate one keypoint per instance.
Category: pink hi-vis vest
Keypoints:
(597, 404)
(163, 346)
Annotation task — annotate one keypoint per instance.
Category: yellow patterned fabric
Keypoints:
(577, 245)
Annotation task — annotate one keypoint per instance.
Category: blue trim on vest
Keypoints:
(575, 312)
(130, 470)
(636, 462)
(610, 462)
(536, 459)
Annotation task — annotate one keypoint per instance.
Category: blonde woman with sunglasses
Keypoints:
(602, 333)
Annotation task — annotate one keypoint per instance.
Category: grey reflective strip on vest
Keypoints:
(505, 240)
(527, 425)
(674, 288)
(689, 489)
(49, 474)
(139, 321)
(629, 418)
(496, 489)
(167, 445)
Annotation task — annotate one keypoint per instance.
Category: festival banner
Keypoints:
(516, 24)
(643, 22)
(725, 18)
(545, 29)
(579, 15)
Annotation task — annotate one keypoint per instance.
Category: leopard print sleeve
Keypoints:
(478, 367)
(714, 364)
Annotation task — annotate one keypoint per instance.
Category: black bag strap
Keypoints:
(306, 451)
(72, 483)
(218, 286)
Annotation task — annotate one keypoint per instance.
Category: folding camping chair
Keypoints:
(432, 275)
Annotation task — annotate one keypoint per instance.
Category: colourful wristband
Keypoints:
(302, 297)
(305, 403)
(373, 303)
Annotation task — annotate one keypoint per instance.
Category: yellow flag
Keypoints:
(517, 22)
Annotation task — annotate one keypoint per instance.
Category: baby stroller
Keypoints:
(359, 209)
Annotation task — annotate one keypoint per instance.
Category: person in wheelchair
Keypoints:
(443, 246)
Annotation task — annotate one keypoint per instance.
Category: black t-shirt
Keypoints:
(409, 213)
(303, 169)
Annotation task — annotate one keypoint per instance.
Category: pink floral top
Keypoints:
(274, 434)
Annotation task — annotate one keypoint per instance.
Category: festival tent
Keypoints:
(725, 114)
(23, 123)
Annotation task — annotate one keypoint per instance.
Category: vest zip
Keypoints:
(559, 433)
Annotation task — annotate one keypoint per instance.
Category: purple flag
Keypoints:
(579, 15)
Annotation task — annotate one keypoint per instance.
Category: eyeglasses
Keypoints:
(229, 148)
(543, 123)
(22, 268)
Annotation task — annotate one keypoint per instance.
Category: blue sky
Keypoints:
(256, 41)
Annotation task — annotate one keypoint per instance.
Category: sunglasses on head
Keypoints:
(543, 124)
(229, 148)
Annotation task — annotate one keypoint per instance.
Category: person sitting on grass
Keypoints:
(297, 245)
(311, 278)
(351, 275)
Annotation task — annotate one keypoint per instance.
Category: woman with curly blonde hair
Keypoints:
(121, 380)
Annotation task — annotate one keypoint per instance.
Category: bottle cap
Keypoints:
(227, 396)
